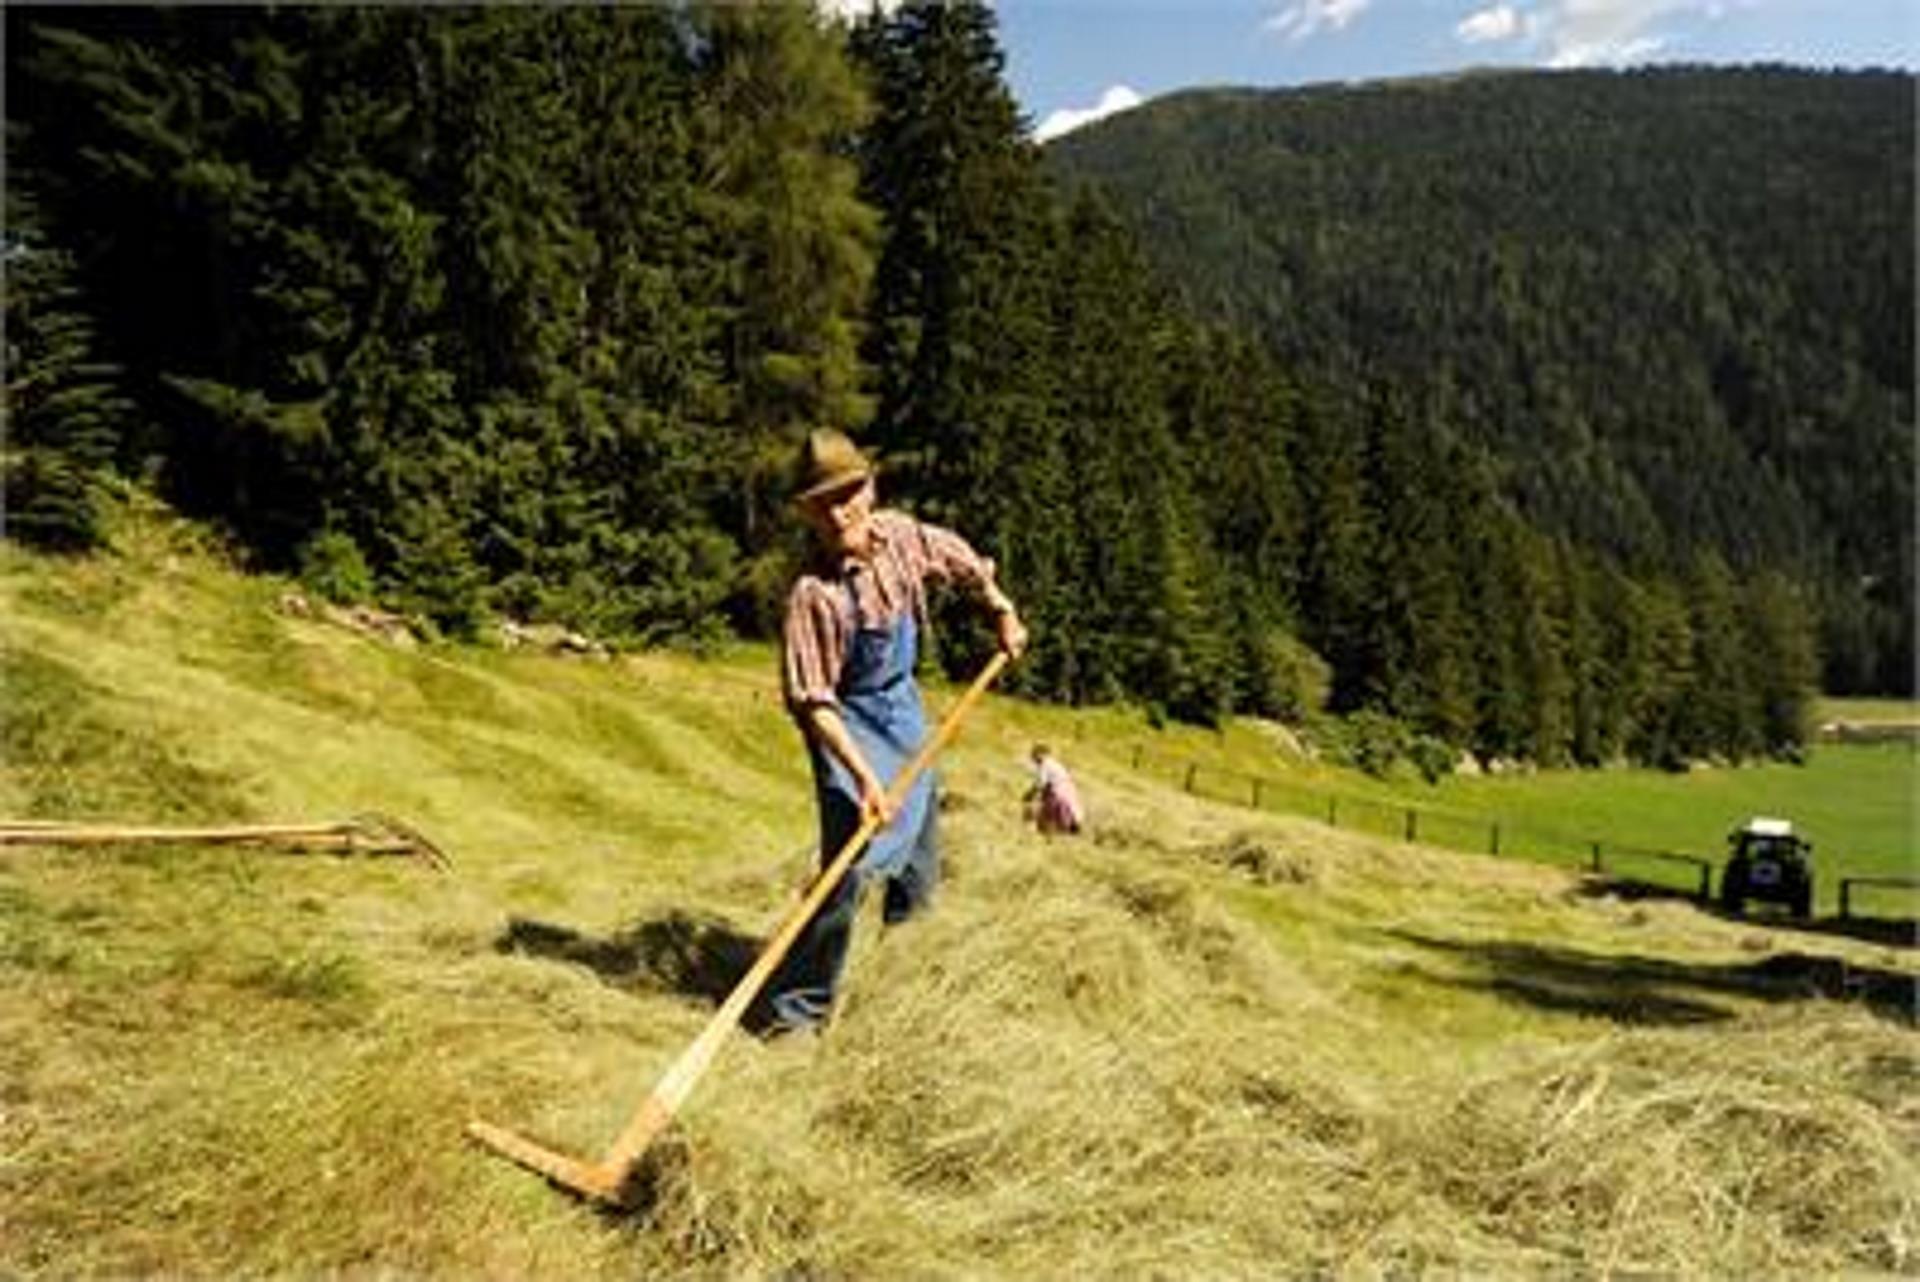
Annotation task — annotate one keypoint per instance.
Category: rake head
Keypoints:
(599, 1181)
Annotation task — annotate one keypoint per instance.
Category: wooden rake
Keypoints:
(608, 1179)
(367, 834)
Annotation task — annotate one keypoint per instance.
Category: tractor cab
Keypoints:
(1767, 860)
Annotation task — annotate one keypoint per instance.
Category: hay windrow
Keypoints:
(1786, 1139)
(1087, 1085)
(1086, 1058)
(1264, 862)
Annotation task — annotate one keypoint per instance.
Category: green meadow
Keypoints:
(1858, 803)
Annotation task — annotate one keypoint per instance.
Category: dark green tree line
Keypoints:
(522, 311)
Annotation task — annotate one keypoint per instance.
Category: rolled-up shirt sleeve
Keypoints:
(945, 557)
(813, 647)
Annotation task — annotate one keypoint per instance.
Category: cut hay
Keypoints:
(1097, 1093)
(1788, 1144)
(1085, 1065)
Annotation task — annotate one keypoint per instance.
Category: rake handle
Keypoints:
(53, 833)
(368, 834)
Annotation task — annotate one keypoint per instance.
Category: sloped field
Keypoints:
(1196, 1044)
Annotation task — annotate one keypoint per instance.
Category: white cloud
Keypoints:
(1585, 33)
(1502, 22)
(1117, 98)
(849, 10)
(1605, 53)
(1299, 19)
(1588, 33)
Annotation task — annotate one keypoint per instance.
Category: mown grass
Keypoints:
(1201, 1042)
(1906, 711)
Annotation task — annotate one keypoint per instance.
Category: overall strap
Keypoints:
(853, 598)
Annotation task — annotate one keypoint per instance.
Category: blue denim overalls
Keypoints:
(880, 704)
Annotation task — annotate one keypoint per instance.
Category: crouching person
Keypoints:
(1054, 798)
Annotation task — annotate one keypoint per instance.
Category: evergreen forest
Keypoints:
(1676, 304)
(519, 312)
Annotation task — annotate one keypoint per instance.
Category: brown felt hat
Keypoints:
(828, 461)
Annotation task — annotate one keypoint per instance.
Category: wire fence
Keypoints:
(1898, 891)
(1670, 870)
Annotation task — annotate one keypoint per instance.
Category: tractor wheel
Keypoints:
(1733, 889)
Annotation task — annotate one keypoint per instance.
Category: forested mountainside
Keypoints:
(521, 311)
(1677, 304)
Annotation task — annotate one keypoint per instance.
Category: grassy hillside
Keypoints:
(1578, 270)
(1201, 1042)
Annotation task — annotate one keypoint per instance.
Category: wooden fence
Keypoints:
(1452, 830)
(1848, 883)
(1618, 859)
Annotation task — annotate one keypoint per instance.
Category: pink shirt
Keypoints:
(1059, 798)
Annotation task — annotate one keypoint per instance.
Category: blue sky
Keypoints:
(1065, 58)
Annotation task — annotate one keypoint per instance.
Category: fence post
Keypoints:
(1137, 750)
(1846, 895)
(1413, 823)
(1333, 812)
(1596, 856)
(1256, 792)
(1192, 768)
(1706, 881)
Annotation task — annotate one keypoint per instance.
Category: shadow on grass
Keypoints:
(699, 956)
(1593, 886)
(1896, 932)
(1652, 991)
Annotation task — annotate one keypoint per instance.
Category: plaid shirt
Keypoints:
(823, 615)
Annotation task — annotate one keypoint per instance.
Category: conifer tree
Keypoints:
(1594, 735)
(1781, 638)
(1151, 568)
(1665, 731)
(1235, 419)
(1546, 686)
(955, 325)
(608, 416)
(1335, 572)
(958, 326)
(1722, 705)
(1422, 672)
(1493, 599)
(62, 422)
(779, 108)
(1627, 674)
(155, 145)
